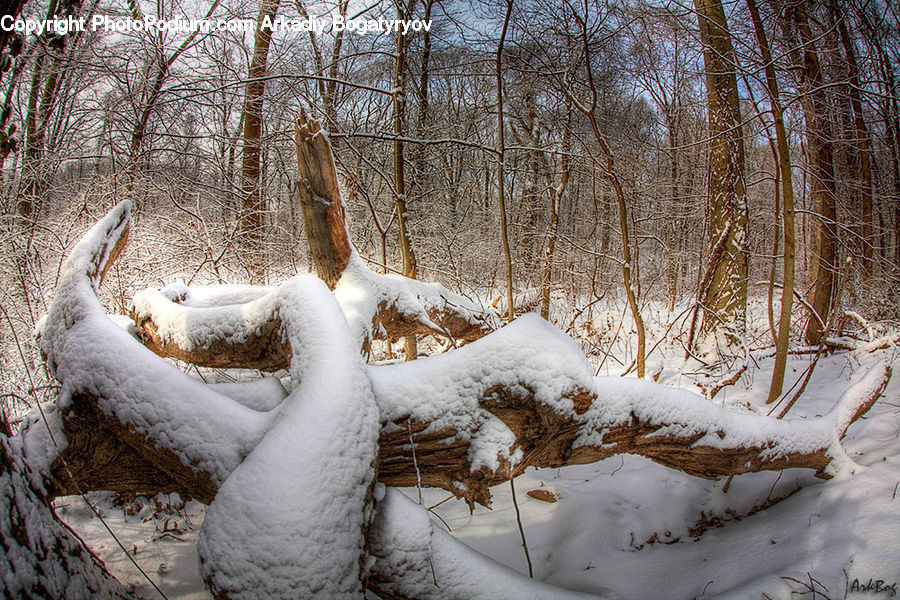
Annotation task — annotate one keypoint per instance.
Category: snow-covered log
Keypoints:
(39, 557)
(291, 520)
(217, 326)
(239, 326)
(522, 396)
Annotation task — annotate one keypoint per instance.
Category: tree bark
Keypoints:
(725, 298)
(47, 559)
(501, 169)
(320, 201)
(555, 194)
(610, 171)
(824, 268)
(48, 74)
(252, 203)
(404, 240)
(782, 340)
(532, 402)
(861, 163)
(104, 455)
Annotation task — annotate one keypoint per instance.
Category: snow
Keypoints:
(91, 354)
(590, 539)
(594, 539)
(262, 394)
(295, 469)
(445, 389)
(424, 562)
(290, 520)
(39, 557)
(361, 292)
(232, 314)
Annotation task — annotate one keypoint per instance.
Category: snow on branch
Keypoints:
(236, 326)
(522, 396)
(383, 306)
(112, 384)
(239, 326)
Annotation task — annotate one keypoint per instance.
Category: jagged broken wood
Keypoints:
(377, 306)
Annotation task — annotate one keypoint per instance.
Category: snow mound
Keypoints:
(290, 522)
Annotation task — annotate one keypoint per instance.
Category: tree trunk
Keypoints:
(320, 201)
(556, 194)
(404, 240)
(48, 75)
(787, 201)
(135, 422)
(253, 203)
(824, 268)
(724, 300)
(164, 64)
(48, 560)
(861, 148)
(611, 173)
(501, 169)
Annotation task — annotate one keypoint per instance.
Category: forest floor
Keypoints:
(627, 528)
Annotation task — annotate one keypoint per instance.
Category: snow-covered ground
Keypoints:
(629, 528)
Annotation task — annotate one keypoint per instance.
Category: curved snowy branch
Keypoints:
(239, 326)
(465, 420)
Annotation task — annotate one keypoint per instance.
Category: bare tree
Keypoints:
(723, 292)
(501, 169)
(610, 171)
(824, 269)
(253, 203)
(787, 204)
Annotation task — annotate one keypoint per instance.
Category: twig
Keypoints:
(415, 461)
(512, 486)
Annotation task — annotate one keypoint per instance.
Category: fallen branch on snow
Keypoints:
(522, 396)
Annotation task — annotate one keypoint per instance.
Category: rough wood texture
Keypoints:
(142, 450)
(48, 561)
(320, 201)
(108, 455)
(726, 293)
(389, 322)
(265, 350)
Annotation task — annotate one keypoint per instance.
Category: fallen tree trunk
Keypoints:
(103, 454)
(523, 396)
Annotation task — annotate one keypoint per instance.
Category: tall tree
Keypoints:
(253, 203)
(823, 270)
(404, 239)
(611, 172)
(723, 297)
(787, 205)
(163, 68)
(501, 167)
